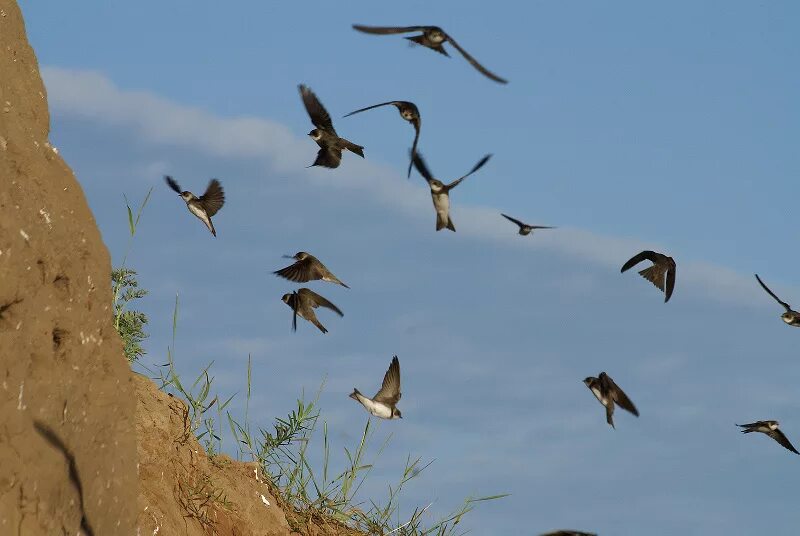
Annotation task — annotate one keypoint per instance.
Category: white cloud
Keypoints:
(91, 95)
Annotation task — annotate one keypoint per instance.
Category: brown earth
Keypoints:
(69, 462)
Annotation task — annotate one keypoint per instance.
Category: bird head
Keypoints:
(315, 134)
(300, 255)
(187, 196)
(435, 34)
(588, 381)
(436, 185)
(287, 298)
(788, 317)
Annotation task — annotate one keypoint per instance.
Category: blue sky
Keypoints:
(628, 126)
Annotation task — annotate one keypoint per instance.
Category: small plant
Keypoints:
(129, 323)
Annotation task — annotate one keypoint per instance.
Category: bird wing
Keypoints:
(618, 394)
(316, 300)
(214, 197)
(542, 227)
(777, 299)
(509, 218)
(478, 166)
(299, 272)
(419, 163)
(778, 436)
(639, 257)
(417, 123)
(385, 30)
(328, 157)
(753, 424)
(316, 111)
(371, 107)
(173, 184)
(390, 389)
(474, 62)
(671, 269)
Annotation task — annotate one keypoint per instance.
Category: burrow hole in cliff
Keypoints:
(59, 337)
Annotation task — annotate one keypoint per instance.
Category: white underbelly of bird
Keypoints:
(378, 410)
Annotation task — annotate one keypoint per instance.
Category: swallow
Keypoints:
(609, 393)
(771, 429)
(384, 403)
(307, 268)
(655, 274)
(204, 206)
(791, 317)
(440, 192)
(433, 38)
(409, 112)
(569, 533)
(524, 228)
(330, 144)
(303, 302)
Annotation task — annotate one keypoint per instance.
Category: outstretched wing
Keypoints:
(419, 163)
(386, 30)
(214, 197)
(371, 107)
(328, 157)
(778, 436)
(173, 184)
(514, 220)
(639, 257)
(317, 300)
(299, 272)
(777, 299)
(390, 389)
(671, 269)
(316, 111)
(417, 123)
(478, 166)
(474, 62)
(618, 394)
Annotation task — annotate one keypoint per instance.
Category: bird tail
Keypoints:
(211, 228)
(610, 416)
(654, 274)
(355, 394)
(319, 325)
(352, 147)
(441, 224)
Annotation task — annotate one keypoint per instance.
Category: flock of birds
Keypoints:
(307, 268)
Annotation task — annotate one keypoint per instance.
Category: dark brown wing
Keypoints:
(386, 30)
(316, 111)
(173, 184)
(417, 123)
(619, 395)
(753, 424)
(671, 269)
(639, 257)
(474, 62)
(315, 300)
(419, 163)
(299, 272)
(778, 436)
(390, 389)
(371, 107)
(509, 218)
(328, 157)
(777, 299)
(478, 166)
(214, 197)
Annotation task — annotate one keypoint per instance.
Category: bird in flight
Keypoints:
(303, 302)
(409, 112)
(330, 144)
(569, 533)
(440, 192)
(791, 316)
(662, 265)
(769, 428)
(524, 228)
(609, 393)
(384, 403)
(307, 268)
(204, 206)
(433, 38)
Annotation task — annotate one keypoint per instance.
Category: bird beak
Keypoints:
(287, 256)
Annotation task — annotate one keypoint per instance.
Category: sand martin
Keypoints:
(330, 144)
(384, 403)
(204, 206)
(568, 533)
(440, 192)
(771, 429)
(609, 393)
(307, 268)
(303, 302)
(524, 228)
(409, 112)
(655, 274)
(432, 37)
(791, 317)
